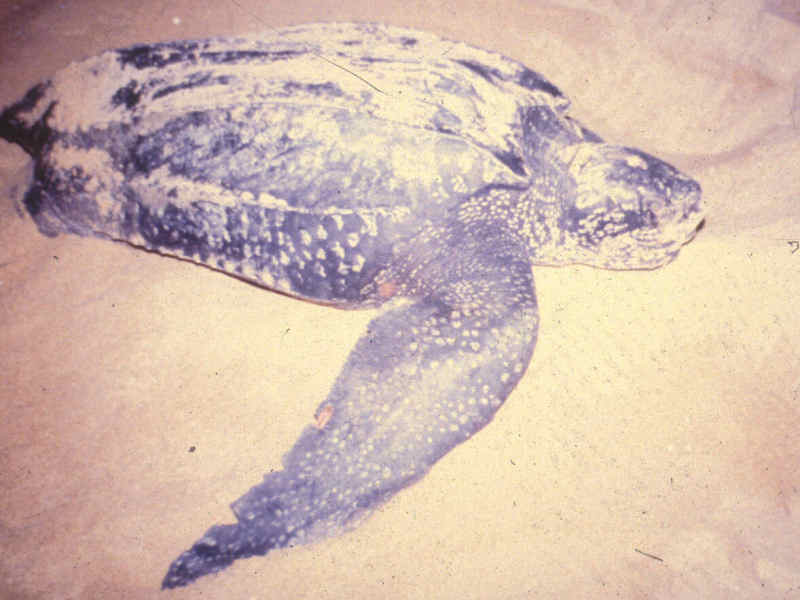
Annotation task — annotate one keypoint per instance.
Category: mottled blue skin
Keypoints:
(294, 187)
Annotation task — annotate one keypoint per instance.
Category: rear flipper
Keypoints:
(424, 378)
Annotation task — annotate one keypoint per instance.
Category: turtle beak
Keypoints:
(690, 196)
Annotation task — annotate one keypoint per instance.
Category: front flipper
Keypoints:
(424, 378)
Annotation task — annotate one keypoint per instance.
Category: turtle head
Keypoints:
(616, 208)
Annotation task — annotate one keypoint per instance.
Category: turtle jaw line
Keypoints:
(694, 231)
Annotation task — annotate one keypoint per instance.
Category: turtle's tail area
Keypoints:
(25, 122)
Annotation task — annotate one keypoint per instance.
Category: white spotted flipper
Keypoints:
(422, 379)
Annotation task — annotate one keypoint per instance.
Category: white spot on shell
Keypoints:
(338, 250)
(248, 271)
(636, 162)
(267, 278)
(269, 201)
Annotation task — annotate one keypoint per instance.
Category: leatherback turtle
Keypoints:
(355, 165)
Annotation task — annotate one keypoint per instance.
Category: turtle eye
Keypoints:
(648, 211)
(649, 218)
